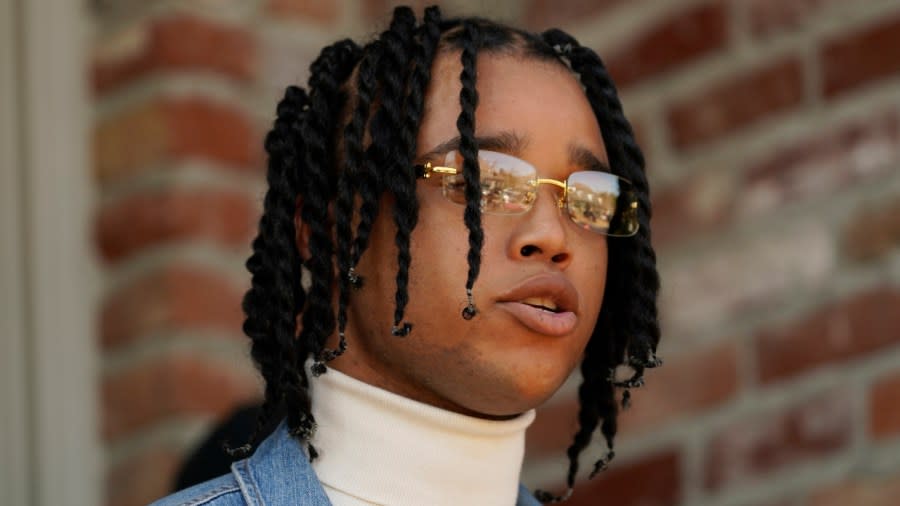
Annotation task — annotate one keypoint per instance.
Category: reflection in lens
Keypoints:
(507, 183)
(594, 201)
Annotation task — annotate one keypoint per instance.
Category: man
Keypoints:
(423, 278)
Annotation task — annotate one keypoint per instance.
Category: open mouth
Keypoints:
(544, 317)
(546, 303)
(542, 303)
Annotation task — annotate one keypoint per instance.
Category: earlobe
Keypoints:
(302, 231)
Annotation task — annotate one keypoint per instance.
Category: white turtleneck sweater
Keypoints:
(379, 448)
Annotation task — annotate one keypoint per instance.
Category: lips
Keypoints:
(546, 304)
(541, 302)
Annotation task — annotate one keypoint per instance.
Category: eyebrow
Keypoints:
(586, 159)
(512, 143)
(505, 142)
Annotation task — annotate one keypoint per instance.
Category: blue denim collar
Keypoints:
(279, 472)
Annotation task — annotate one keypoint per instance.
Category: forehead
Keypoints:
(539, 101)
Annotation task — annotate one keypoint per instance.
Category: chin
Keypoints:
(517, 398)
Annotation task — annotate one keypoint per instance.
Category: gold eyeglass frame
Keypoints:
(428, 169)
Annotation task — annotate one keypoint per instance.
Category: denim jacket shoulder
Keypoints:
(277, 474)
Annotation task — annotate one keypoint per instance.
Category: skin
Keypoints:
(492, 366)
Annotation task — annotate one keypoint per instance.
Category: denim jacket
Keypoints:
(277, 474)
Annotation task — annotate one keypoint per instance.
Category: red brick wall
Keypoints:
(772, 131)
(179, 167)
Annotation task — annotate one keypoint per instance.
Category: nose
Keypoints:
(541, 233)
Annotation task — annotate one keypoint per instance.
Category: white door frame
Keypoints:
(48, 277)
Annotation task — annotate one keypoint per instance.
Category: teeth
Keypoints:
(541, 302)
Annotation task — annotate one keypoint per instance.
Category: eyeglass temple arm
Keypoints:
(427, 169)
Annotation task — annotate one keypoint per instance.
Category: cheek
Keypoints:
(439, 243)
(590, 277)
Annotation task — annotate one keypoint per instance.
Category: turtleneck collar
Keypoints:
(376, 447)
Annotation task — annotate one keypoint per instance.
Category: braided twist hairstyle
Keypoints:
(351, 140)
(271, 305)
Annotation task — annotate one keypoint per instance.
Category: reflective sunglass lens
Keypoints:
(591, 199)
(601, 202)
(597, 201)
(507, 183)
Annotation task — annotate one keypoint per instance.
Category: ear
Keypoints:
(302, 231)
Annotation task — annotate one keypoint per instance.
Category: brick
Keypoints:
(864, 323)
(879, 491)
(762, 444)
(884, 407)
(173, 44)
(165, 216)
(750, 275)
(553, 428)
(671, 44)
(874, 231)
(695, 205)
(325, 13)
(737, 102)
(176, 297)
(172, 386)
(688, 385)
(861, 57)
(770, 17)
(542, 14)
(168, 129)
(653, 480)
(142, 479)
(214, 131)
(822, 162)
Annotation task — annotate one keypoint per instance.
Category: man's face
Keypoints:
(512, 356)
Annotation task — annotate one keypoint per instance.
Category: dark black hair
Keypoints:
(318, 154)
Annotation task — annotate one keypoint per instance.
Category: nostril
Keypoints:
(560, 258)
(529, 250)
